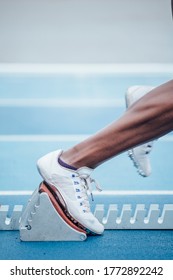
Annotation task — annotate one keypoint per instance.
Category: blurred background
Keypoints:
(64, 68)
(86, 31)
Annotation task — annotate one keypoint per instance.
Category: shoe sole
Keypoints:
(60, 206)
(130, 151)
(59, 202)
(136, 165)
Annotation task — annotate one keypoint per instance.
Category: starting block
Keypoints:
(45, 218)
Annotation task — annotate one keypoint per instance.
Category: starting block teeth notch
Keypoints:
(41, 222)
(126, 216)
(166, 219)
(10, 223)
(153, 216)
(99, 212)
(139, 215)
(3, 216)
(111, 217)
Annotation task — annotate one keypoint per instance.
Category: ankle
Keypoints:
(79, 157)
(65, 164)
(69, 158)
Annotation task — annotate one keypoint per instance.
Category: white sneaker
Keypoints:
(139, 154)
(73, 186)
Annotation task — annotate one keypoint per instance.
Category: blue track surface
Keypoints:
(114, 244)
(18, 171)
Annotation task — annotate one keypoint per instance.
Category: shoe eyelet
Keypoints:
(76, 183)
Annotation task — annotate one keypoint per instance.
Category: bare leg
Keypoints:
(147, 119)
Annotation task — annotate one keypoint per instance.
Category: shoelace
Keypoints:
(86, 183)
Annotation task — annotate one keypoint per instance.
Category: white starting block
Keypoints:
(42, 220)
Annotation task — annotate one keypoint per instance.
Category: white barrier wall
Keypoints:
(80, 31)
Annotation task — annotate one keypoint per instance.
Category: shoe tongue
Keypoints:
(85, 171)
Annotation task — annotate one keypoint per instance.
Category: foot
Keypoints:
(140, 154)
(73, 186)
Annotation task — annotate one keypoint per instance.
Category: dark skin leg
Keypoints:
(149, 118)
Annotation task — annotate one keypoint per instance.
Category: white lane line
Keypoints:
(96, 193)
(15, 193)
(58, 138)
(66, 102)
(43, 138)
(87, 68)
(129, 193)
(166, 138)
(137, 68)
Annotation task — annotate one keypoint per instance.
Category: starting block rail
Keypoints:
(141, 220)
(38, 221)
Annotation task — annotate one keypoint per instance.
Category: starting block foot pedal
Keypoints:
(44, 219)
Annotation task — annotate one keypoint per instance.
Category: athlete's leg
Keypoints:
(147, 119)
